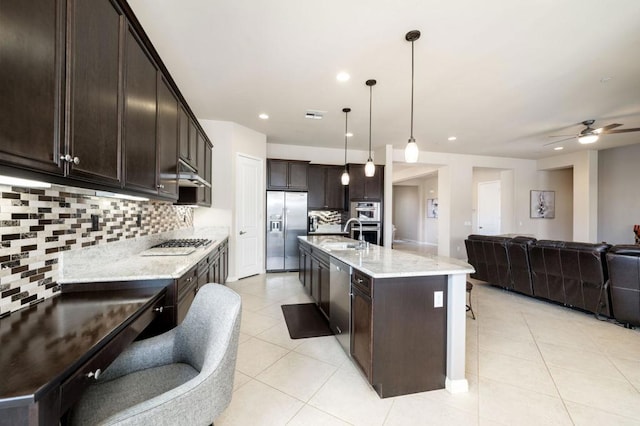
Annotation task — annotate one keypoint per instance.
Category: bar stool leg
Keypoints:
(469, 306)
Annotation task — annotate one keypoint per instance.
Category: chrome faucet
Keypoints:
(361, 242)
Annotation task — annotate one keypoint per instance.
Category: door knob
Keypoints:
(242, 232)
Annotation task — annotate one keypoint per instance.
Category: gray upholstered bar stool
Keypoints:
(181, 377)
(469, 306)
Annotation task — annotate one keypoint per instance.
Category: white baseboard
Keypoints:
(456, 386)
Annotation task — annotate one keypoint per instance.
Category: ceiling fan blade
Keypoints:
(561, 136)
(623, 131)
(561, 140)
(607, 128)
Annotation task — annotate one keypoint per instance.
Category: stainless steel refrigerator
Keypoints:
(286, 219)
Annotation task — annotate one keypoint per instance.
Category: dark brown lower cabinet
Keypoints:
(323, 303)
(398, 335)
(186, 287)
(409, 335)
(361, 332)
(315, 279)
(219, 264)
(302, 259)
(320, 280)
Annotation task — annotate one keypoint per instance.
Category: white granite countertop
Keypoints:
(381, 262)
(122, 261)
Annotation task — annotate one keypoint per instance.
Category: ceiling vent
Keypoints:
(314, 114)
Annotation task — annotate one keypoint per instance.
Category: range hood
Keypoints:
(187, 176)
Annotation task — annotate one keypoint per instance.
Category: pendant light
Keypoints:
(411, 152)
(345, 175)
(370, 168)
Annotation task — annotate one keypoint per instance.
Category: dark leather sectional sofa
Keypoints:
(624, 284)
(570, 273)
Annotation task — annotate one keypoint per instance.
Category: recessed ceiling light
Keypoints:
(264, 116)
(349, 135)
(343, 76)
(452, 138)
(558, 148)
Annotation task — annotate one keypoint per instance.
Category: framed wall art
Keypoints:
(543, 204)
(432, 208)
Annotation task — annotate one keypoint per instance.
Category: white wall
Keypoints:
(560, 227)
(429, 189)
(585, 191)
(406, 206)
(228, 140)
(619, 203)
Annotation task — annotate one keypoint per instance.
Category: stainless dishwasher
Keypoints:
(340, 302)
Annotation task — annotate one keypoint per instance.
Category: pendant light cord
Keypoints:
(411, 89)
(370, 104)
(346, 115)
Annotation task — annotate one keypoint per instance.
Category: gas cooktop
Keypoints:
(185, 242)
(180, 247)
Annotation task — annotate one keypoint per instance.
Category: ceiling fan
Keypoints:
(591, 135)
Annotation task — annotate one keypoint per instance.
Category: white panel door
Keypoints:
(489, 208)
(249, 214)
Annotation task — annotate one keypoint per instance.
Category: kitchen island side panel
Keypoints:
(409, 334)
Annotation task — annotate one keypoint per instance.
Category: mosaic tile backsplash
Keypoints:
(329, 217)
(37, 224)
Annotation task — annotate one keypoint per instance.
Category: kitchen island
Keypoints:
(407, 316)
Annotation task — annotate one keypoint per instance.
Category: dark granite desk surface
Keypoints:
(42, 345)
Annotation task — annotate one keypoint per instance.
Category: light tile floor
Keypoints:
(529, 362)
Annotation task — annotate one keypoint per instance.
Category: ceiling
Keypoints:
(500, 75)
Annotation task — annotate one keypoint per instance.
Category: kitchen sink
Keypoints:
(339, 246)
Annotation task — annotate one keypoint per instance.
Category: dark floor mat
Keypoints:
(305, 320)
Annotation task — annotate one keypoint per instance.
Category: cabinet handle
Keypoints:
(243, 232)
(339, 331)
(160, 186)
(69, 159)
(158, 309)
(94, 374)
(359, 281)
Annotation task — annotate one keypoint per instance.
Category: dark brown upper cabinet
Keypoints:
(365, 188)
(86, 101)
(94, 91)
(168, 112)
(200, 153)
(287, 175)
(326, 191)
(140, 108)
(31, 75)
(205, 154)
(193, 144)
(207, 200)
(183, 135)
